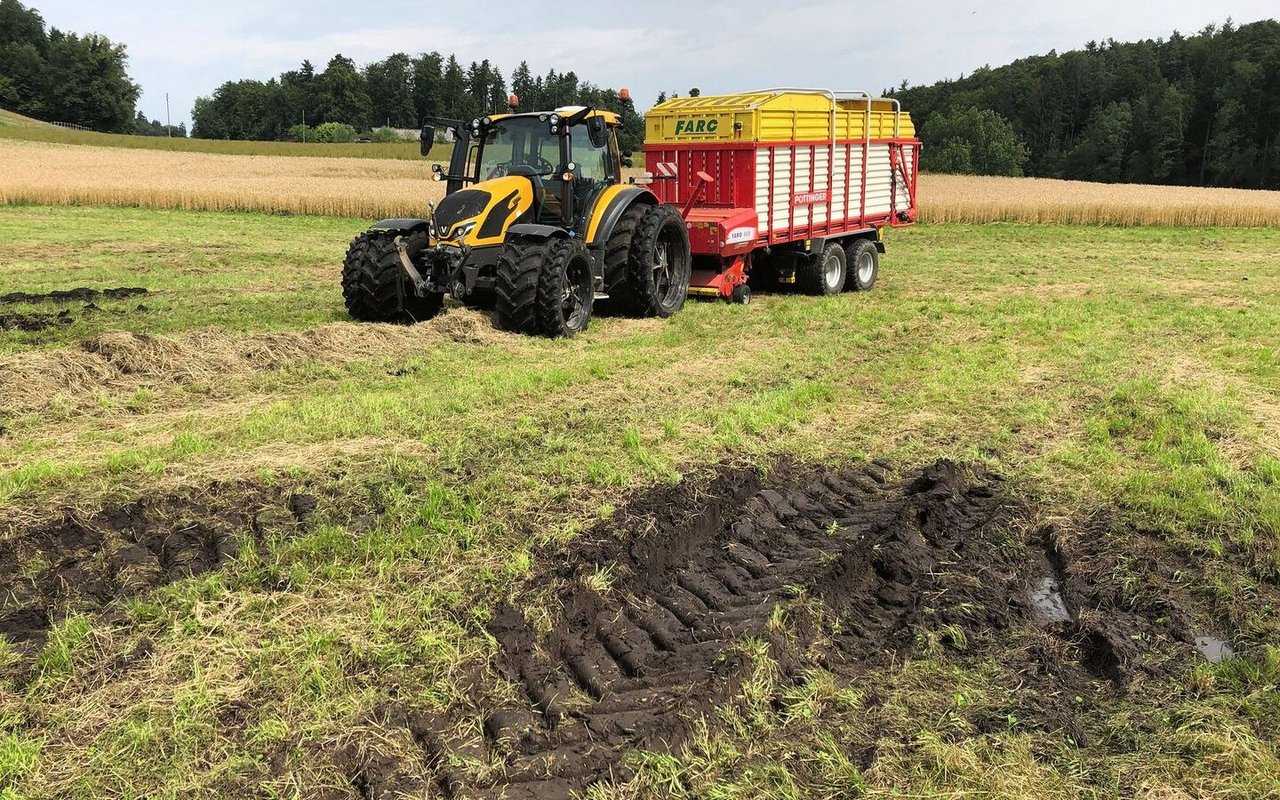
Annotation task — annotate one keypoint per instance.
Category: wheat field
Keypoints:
(54, 174)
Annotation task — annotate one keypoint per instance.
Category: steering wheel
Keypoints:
(539, 163)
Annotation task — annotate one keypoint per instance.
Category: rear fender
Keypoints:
(609, 208)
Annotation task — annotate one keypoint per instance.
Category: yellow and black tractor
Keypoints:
(536, 220)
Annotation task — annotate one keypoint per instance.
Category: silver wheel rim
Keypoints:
(662, 278)
(866, 268)
(831, 271)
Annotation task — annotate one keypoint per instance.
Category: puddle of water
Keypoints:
(1047, 602)
(1215, 649)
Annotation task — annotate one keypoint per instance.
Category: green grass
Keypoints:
(1105, 371)
(14, 126)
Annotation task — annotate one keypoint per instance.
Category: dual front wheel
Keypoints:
(547, 287)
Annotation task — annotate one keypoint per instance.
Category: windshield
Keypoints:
(524, 145)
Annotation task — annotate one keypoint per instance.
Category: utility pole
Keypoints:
(168, 121)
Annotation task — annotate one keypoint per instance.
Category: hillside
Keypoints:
(1200, 110)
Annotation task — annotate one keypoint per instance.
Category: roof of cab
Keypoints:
(565, 111)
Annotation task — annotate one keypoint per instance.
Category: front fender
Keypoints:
(401, 225)
(609, 208)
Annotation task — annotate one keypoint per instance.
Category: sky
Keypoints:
(188, 50)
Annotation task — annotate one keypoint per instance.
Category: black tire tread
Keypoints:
(852, 253)
(561, 254)
(640, 263)
(516, 293)
(374, 285)
(811, 274)
(617, 259)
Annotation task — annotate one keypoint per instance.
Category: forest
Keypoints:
(1201, 110)
(398, 92)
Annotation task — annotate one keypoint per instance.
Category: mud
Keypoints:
(81, 294)
(84, 564)
(848, 571)
(35, 322)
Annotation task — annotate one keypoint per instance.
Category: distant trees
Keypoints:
(1192, 110)
(399, 91)
(62, 77)
(973, 142)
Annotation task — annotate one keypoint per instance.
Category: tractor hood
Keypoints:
(480, 215)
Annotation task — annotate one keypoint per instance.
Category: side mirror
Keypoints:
(427, 140)
(598, 131)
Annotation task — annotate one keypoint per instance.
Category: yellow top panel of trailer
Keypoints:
(774, 116)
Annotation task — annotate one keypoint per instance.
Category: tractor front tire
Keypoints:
(566, 290)
(617, 260)
(660, 263)
(515, 307)
(374, 286)
(824, 272)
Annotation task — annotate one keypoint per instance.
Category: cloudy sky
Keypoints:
(648, 46)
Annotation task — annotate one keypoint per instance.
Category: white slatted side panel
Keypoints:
(879, 181)
(804, 168)
(763, 211)
(838, 184)
(821, 178)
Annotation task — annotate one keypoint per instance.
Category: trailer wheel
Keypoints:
(741, 295)
(566, 290)
(864, 266)
(617, 259)
(516, 293)
(661, 262)
(824, 272)
(374, 286)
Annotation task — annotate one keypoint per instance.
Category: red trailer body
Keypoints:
(780, 169)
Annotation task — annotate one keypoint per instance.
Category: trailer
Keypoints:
(784, 185)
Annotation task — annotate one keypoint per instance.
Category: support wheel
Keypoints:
(566, 290)
(519, 267)
(661, 262)
(741, 295)
(824, 272)
(864, 266)
(374, 286)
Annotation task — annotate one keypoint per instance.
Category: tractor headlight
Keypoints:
(461, 231)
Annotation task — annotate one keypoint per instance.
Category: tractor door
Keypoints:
(596, 170)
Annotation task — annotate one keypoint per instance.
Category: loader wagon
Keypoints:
(784, 186)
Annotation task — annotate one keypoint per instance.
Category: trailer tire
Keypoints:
(661, 262)
(617, 259)
(864, 266)
(516, 293)
(374, 286)
(566, 289)
(823, 272)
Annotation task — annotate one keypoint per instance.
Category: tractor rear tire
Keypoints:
(661, 262)
(823, 273)
(864, 266)
(617, 259)
(519, 267)
(566, 290)
(374, 286)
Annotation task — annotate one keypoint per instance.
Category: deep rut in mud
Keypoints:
(82, 565)
(853, 561)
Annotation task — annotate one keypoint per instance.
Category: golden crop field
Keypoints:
(45, 173)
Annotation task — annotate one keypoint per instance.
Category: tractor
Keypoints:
(536, 222)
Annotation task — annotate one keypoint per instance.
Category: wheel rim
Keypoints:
(662, 277)
(831, 272)
(573, 303)
(866, 267)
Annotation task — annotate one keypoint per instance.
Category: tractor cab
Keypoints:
(567, 157)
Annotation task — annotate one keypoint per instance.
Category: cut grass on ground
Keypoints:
(1118, 377)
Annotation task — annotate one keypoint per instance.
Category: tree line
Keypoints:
(58, 76)
(1199, 110)
(400, 91)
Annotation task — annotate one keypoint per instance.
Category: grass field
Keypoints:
(358, 503)
(15, 127)
(371, 188)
